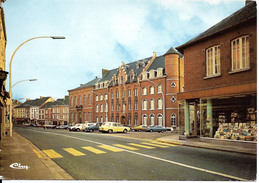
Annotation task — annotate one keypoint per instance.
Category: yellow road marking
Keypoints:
(114, 149)
(94, 150)
(167, 144)
(52, 154)
(38, 154)
(157, 145)
(138, 145)
(126, 147)
(74, 152)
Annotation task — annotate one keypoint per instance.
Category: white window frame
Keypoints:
(242, 57)
(213, 61)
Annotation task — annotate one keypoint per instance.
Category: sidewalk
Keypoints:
(21, 160)
(220, 145)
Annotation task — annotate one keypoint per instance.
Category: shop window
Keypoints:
(213, 61)
(240, 53)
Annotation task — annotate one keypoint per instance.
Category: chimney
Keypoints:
(41, 97)
(28, 99)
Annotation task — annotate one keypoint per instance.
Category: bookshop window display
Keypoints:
(232, 118)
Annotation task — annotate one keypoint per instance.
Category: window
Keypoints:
(144, 105)
(101, 108)
(84, 116)
(159, 103)
(117, 106)
(136, 119)
(101, 118)
(96, 98)
(135, 105)
(240, 53)
(58, 110)
(152, 119)
(117, 94)
(112, 117)
(106, 107)
(97, 119)
(152, 90)
(80, 102)
(213, 61)
(129, 119)
(123, 94)
(71, 101)
(173, 120)
(121, 81)
(129, 93)
(84, 99)
(129, 105)
(135, 92)
(89, 99)
(101, 97)
(159, 89)
(152, 104)
(97, 108)
(106, 96)
(144, 119)
(160, 119)
(123, 108)
(117, 118)
(75, 101)
(112, 106)
(144, 91)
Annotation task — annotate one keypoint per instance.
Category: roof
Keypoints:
(63, 101)
(247, 12)
(90, 83)
(34, 103)
(47, 105)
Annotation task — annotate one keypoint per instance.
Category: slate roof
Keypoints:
(90, 83)
(63, 101)
(47, 105)
(34, 103)
(247, 12)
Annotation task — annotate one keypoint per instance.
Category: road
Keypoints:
(98, 156)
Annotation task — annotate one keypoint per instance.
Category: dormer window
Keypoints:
(159, 72)
(121, 81)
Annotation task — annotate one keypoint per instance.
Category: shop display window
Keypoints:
(233, 118)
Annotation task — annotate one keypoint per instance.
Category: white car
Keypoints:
(79, 127)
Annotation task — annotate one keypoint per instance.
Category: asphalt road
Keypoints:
(98, 156)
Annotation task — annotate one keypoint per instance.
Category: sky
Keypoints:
(100, 34)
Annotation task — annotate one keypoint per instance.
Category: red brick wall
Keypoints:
(195, 61)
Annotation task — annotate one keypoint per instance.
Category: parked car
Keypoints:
(113, 127)
(93, 127)
(79, 127)
(140, 128)
(156, 128)
(63, 126)
(50, 126)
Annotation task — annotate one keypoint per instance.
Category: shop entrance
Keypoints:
(194, 118)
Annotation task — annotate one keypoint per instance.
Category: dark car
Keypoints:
(156, 128)
(93, 127)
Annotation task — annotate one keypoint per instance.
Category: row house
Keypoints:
(219, 101)
(141, 92)
(29, 110)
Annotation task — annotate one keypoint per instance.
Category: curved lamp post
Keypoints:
(23, 81)
(10, 77)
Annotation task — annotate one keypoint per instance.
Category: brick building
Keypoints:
(219, 100)
(140, 92)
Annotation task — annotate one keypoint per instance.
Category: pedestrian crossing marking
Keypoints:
(114, 149)
(173, 145)
(156, 145)
(74, 152)
(126, 147)
(94, 150)
(52, 154)
(138, 145)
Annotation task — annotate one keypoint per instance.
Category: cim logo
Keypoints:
(19, 166)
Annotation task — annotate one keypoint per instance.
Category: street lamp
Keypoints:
(23, 81)
(10, 76)
(105, 104)
(163, 101)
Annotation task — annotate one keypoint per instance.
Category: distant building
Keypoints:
(143, 92)
(220, 96)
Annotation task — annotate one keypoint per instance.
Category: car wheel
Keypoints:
(78, 129)
(162, 131)
(151, 130)
(109, 131)
(139, 130)
(125, 131)
(91, 130)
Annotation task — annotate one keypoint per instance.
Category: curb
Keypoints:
(55, 169)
